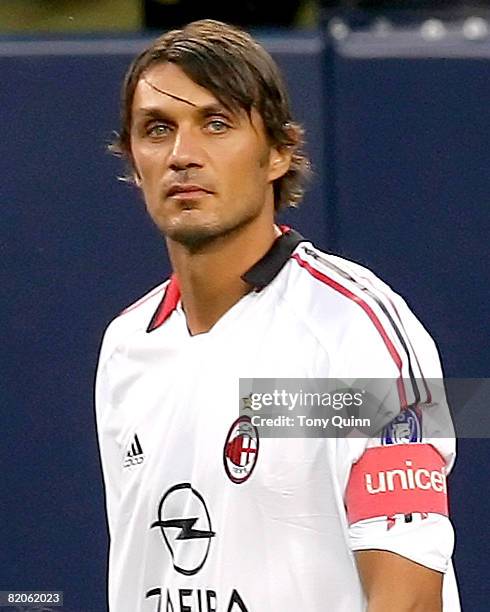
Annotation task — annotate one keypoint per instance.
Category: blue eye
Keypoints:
(217, 125)
(157, 129)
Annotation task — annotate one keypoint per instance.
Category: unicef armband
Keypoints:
(397, 479)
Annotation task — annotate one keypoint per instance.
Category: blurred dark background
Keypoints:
(131, 15)
(394, 97)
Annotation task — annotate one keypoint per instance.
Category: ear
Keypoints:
(135, 172)
(279, 162)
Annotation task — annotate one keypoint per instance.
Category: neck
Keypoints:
(210, 279)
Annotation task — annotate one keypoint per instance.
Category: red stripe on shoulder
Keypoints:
(368, 310)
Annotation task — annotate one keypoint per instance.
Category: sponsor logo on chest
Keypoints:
(184, 521)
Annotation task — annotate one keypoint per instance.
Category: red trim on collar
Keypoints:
(168, 304)
(259, 275)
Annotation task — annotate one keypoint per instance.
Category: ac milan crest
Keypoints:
(241, 450)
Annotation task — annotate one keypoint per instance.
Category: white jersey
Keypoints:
(207, 516)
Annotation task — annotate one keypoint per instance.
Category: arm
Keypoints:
(402, 538)
(395, 483)
(391, 581)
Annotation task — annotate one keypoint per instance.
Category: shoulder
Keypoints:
(338, 274)
(329, 287)
(348, 306)
(133, 319)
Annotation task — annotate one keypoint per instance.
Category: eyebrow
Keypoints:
(204, 111)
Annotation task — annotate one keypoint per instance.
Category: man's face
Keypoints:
(204, 171)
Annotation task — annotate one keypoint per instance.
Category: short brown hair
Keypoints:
(237, 70)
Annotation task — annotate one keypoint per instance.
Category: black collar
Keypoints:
(267, 268)
(259, 275)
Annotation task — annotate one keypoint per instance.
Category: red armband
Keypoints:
(397, 479)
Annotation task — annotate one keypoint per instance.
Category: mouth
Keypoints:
(187, 192)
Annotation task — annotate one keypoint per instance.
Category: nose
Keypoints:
(186, 151)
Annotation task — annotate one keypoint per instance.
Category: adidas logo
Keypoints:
(135, 454)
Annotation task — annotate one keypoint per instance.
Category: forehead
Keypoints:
(166, 85)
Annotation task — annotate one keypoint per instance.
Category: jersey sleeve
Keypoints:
(109, 448)
(109, 413)
(394, 480)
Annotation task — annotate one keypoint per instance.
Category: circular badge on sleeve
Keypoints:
(404, 428)
(241, 450)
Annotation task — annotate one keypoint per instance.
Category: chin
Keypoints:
(196, 237)
(193, 237)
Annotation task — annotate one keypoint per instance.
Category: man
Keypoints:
(204, 514)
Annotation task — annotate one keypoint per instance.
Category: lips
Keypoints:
(189, 189)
